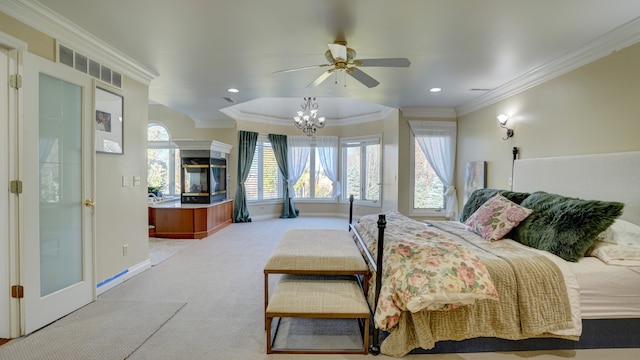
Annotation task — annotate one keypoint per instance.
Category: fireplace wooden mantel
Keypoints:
(189, 221)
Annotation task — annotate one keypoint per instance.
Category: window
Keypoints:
(264, 181)
(361, 169)
(315, 181)
(433, 153)
(428, 190)
(163, 161)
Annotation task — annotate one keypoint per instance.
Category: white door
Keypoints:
(56, 157)
(4, 197)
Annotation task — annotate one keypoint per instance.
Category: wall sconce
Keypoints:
(502, 119)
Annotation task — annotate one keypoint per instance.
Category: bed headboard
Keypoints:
(610, 177)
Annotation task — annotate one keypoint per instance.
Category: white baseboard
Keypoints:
(121, 277)
(302, 214)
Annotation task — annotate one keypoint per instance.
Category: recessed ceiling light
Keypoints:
(232, 90)
(435, 89)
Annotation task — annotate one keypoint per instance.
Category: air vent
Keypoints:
(479, 89)
(82, 63)
(228, 99)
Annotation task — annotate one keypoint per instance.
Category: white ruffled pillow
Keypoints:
(622, 233)
(619, 244)
(614, 254)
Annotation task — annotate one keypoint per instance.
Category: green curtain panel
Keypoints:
(246, 148)
(279, 145)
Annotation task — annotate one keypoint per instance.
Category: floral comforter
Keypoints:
(423, 269)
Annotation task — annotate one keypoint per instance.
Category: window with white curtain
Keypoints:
(427, 189)
(264, 181)
(361, 169)
(433, 153)
(163, 161)
(314, 162)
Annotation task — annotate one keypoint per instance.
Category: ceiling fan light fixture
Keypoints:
(342, 58)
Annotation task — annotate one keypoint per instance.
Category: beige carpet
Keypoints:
(104, 329)
(220, 279)
(162, 249)
(299, 333)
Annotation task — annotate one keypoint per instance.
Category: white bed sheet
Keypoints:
(607, 291)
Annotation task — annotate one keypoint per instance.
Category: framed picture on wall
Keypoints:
(109, 123)
(474, 177)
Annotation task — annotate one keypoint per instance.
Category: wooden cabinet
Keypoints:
(183, 221)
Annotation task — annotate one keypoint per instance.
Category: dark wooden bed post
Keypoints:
(374, 348)
(382, 224)
(350, 210)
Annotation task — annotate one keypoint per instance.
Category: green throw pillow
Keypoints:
(480, 196)
(564, 226)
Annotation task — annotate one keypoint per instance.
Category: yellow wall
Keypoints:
(593, 109)
(121, 212)
(39, 43)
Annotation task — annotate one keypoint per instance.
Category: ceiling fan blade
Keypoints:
(338, 51)
(320, 79)
(361, 76)
(301, 68)
(391, 62)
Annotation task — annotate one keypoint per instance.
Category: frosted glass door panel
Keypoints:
(60, 175)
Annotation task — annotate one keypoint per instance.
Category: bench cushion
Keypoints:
(316, 250)
(309, 295)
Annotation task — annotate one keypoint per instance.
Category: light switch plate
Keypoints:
(124, 181)
(136, 180)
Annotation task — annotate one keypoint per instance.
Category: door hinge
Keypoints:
(16, 187)
(17, 291)
(15, 81)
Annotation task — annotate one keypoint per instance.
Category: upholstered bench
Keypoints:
(318, 296)
(316, 251)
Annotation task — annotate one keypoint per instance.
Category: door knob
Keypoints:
(89, 203)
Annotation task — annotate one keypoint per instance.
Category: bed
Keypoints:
(529, 281)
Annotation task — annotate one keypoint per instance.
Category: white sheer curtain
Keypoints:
(437, 140)
(328, 152)
(297, 156)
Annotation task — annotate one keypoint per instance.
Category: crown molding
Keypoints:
(431, 112)
(364, 118)
(617, 39)
(237, 114)
(12, 42)
(214, 124)
(41, 18)
(213, 145)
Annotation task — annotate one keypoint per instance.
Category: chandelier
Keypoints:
(307, 119)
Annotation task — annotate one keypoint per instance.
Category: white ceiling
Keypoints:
(201, 48)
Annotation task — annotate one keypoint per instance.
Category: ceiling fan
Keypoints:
(341, 58)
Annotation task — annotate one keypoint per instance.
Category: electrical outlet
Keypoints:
(125, 249)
